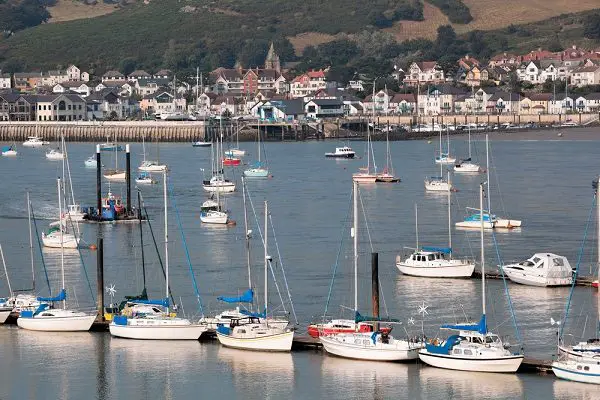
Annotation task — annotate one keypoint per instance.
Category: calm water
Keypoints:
(547, 184)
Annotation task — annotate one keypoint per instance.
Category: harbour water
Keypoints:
(545, 183)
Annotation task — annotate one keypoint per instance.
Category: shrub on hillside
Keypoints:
(456, 11)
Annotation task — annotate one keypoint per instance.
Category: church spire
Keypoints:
(272, 60)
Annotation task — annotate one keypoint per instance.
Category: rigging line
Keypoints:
(497, 183)
(185, 247)
(78, 235)
(576, 274)
(262, 239)
(283, 269)
(37, 235)
(372, 249)
(337, 258)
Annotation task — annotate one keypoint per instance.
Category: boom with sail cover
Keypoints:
(246, 297)
(480, 327)
(61, 296)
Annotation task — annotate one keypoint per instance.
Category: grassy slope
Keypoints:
(69, 10)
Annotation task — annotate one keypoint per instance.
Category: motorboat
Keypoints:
(55, 154)
(474, 348)
(153, 321)
(144, 178)
(225, 317)
(341, 152)
(9, 151)
(74, 213)
(541, 269)
(375, 346)
(467, 167)
(34, 141)
(437, 184)
(336, 326)
(236, 152)
(445, 158)
(433, 262)
(201, 143)
(218, 183)
(152, 166)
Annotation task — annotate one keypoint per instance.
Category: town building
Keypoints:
(60, 107)
(308, 83)
(424, 72)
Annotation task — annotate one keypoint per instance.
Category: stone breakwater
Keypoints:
(133, 131)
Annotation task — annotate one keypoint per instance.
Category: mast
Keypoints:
(196, 100)
(139, 196)
(487, 168)
(482, 249)
(62, 245)
(441, 161)
(5, 271)
(355, 237)
(266, 255)
(30, 241)
(598, 216)
(247, 233)
(166, 239)
(449, 218)
(417, 224)
(258, 140)
(469, 142)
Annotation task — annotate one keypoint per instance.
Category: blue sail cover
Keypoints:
(445, 250)
(61, 296)
(157, 302)
(480, 327)
(253, 314)
(246, 297)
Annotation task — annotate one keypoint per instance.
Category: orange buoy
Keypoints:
(231, 223)
(93, 247)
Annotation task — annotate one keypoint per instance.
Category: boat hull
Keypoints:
(169, 332)
(364, 178)
(153, 168)
(498, 364)
(256, 173)
(214, 217)
(466, 168)
(57, 324)
(531, 280)
(356, 352)
(277, 342)
(225, 188)
(4, 315)
(454, 271)
(118, 177)
(69, 241)
(201, 144)
(508, 223)
(334, 155)
(568, 371)
(437, 186)
(232, 162)
(474, 224)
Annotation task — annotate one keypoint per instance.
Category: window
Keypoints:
(468, 352)
(457, 351)
(586, 368)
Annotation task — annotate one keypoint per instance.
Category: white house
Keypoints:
(381, 101)
(5, 81)
(403, 103)
(503, 103)
(322, 108)
(60, 107)
(73, 73)
(537, 72)
(356, 85)
(108, 104)
(423, 73)
(162, 102)
(123, 88)
(279, 110)
(308, 83)
(113, 76)
(586, 75)
(78, 87)
(438, 100)
(561, 104)
(588, 103)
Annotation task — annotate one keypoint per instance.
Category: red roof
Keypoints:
(320, 74)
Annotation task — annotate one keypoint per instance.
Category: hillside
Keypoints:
(207, 33)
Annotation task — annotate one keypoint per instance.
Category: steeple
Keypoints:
(272, 60)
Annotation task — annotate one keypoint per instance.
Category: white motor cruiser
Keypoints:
(34, 141)
(541, 269)
(341, 152)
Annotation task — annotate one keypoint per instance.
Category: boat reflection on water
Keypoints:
(352, 379)
(469, 385)
(259, 374)
(575, 390)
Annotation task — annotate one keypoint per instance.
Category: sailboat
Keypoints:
(253, 331)
(247, 297)
(148, 165)
(374, 346)
(217, 182)
(152, 319)
(5, 309)
(435, 262)
(56, 319)
(387, 175)
(445, 158)
(9, 151)
(467, 166)
(259, 170)
(580, 363)
(74, 212)
(213, 212)
(490, 221)
(364, 174)
(236, 151)
(474, 348)
(55, 154)
(114, 175)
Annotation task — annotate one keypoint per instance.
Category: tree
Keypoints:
(591, 26)
(128, 65)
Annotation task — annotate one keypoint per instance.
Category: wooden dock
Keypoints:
(584, 281)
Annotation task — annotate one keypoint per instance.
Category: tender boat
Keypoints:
(341, 152)
(542, 269)
(34, 141)
(201, 144)
(55, 155)
(437, 184)
(336, 326)
(218, 183)
(152, 166)
(144, 178)
(9, 151)
(232, 153)
(231, 161)
(431, 262)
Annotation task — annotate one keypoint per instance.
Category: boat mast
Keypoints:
(441, 160)
(5, 271)
(487, 168)
(417, 224)
(258, 140)
(266, 255)
(247, 233)
(469, 142)
(166, 239)
(598, 216)
(449, 218)
(30, 241)
(355, 237)
(62, 244)
(139, 196)
(482, 249)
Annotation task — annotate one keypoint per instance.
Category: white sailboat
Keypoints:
(56, 319)
(260, 169)
(581, 362)
(364, 174)
(467, 166)
(148, 165)
(5, 309)
(250, 332)
(218, 182)
(373, 346)
(152, 320)
(74, 213)
(55, 154)
(437, 183)
(445, 158)
(114, 175)
(474, 348)
(435, 262)
(9, 151)
(34, 141)
(236, 151)
(213, 212)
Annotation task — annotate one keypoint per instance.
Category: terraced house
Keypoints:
(60, 107)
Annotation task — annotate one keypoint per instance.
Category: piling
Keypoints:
(98, 181)
(375, 284)
(100, 279)
(128, 177)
